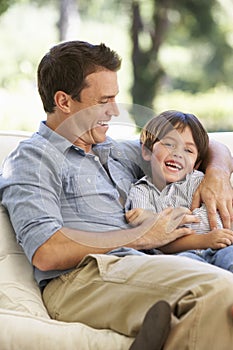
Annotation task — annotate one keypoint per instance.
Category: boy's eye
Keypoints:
(168, 144)
(188, 150)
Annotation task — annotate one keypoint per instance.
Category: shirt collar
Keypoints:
(62, 144)
(58, 141)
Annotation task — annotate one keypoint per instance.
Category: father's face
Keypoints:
(97, 106)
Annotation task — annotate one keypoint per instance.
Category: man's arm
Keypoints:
(67, 247)
(216, 190)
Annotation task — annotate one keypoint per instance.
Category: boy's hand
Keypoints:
(219, 238)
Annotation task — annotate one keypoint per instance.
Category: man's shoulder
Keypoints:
(34, 143)
(129, 144)
(28, 152)
(131, 148)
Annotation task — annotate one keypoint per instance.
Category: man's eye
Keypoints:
(103, 102)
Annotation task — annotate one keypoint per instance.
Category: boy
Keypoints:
(175, 144)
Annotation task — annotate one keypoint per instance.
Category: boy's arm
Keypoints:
(216, 190)
(193, 241)
(215, 239)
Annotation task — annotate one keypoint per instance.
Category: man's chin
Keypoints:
(99, 137)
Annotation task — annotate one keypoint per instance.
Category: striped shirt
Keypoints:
(143, 194)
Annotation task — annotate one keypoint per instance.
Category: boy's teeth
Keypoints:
(173, 165)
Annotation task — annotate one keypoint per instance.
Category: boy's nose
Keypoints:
(177, 153)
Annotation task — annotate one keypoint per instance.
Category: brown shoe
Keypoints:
(155, 328)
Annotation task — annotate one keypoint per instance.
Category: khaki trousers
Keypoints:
(106, 291)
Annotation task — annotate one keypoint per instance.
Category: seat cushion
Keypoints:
(18, 289)
(24, 321)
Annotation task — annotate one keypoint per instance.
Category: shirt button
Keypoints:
(96, 158)
(88, 180)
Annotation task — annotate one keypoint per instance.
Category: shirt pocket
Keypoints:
(91, 194)
(78, 191)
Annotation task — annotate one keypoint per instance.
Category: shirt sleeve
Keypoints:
(139, 197)
(132, 149)
(30, 185)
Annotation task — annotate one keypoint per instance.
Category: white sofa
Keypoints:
(24, 321)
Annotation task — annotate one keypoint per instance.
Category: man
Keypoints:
(64, 190)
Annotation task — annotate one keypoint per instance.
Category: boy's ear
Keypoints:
(146, 153)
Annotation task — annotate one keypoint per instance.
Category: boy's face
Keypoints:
(174, 156)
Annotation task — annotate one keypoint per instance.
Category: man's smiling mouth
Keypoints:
(102, 123)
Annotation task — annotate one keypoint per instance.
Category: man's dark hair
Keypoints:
(66, 66)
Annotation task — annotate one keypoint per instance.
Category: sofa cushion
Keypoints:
(24, 321)
(20, 331)
(18, 289)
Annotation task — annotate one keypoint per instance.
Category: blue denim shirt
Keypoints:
(48, 183)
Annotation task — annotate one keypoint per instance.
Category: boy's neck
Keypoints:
(160, 183)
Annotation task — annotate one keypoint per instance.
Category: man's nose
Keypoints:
(113, 109)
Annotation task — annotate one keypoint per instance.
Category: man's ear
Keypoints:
(146, 153)
(62, 101)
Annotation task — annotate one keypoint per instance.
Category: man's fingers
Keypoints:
(177, 218)
(189, 219)
(183, 231)
(212, 216)
(131, 215)
(226, 219)
(225, 213)
(230, 213)
(196, 201)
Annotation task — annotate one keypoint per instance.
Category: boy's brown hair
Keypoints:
(160, 125)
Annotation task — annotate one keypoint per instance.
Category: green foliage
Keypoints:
(203, 31)
(184, 54)
(22, 43)
(214, 107)
(5, 4)
(196, 27)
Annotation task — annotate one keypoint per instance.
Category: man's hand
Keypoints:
(160, 229)
(216, 192)
(136, 216)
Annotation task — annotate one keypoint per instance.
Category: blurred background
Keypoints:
(176, 54)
